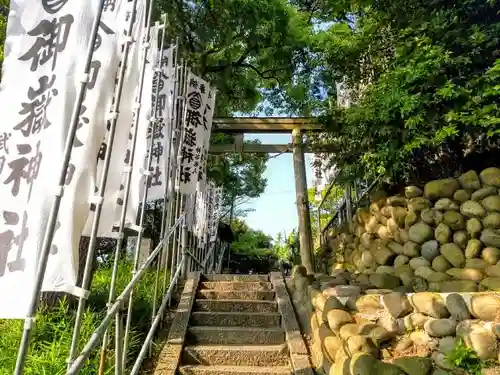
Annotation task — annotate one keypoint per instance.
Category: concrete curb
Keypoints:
(170, 355)
(299, 355)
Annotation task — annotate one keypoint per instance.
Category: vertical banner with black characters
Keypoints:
(192, 140)
(45, 43)
(217, 205)
(141, 144)
(207, 212)
(319, 182)
(163, 82)
(206, 131)
(199, 214)
(114, 185)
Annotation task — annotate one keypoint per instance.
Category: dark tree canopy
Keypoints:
(241, 46)
(251, 250)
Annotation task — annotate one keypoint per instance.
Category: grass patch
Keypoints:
(51, 338)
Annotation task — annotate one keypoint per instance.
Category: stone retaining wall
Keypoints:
(444, 237)
(357, 330)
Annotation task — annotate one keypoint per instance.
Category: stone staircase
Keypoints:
(235, 329)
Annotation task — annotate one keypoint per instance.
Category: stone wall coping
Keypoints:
(467, 296)
(299, 355)
(169, 357)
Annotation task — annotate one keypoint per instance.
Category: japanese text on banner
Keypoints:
(44, 45)
(208, 115)
(163, 82)
(192, 134)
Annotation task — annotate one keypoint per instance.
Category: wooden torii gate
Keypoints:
(238, 126)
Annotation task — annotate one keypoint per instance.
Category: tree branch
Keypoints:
(235, 64)
(234, 206)
(263, 74)
(266, 74)
(211, 51)
(204, 58)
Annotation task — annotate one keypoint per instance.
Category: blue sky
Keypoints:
(275, 209)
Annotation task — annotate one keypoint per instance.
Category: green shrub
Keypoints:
(52, 336)
(465, 358)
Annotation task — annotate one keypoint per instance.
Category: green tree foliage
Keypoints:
(426, 80)
(241, 175)
(239, 227)
(4, 13)
(251, 250)
(328, 209)
(241, 46)
(286, 247)
(250, 241)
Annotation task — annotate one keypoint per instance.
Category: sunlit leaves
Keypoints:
(429, 79)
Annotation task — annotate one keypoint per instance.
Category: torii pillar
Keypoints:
(305, 234)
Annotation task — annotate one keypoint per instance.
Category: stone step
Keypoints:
(238, 278)
(234, 370)
(218, 305)
(252, 355)
(241, 319)
(208, 335)
(248, 295)
(237, 285)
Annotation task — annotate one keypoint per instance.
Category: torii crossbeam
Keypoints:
(240, 125)
(265, 124)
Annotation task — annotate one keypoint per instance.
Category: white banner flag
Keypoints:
(199, 214)
(45, 44)
(210, 210)
(141, 146)
(109, 214)
(202, 217)
(206, 132)
(192, 133)
(324, 174)
(189, 208)
(205, 230)
(319, 181)
(164, 80)
(217, 204)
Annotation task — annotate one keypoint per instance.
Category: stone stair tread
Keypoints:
(261, 348)
(238, 312)
(237, 285)
(250, 313)
(230, 318)
(216, 335)
(244, 295)
(235, 305)
(236, 355)
(234, 370)
(232, 329)
(236, 291)
(236, 301)
(236, 277)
